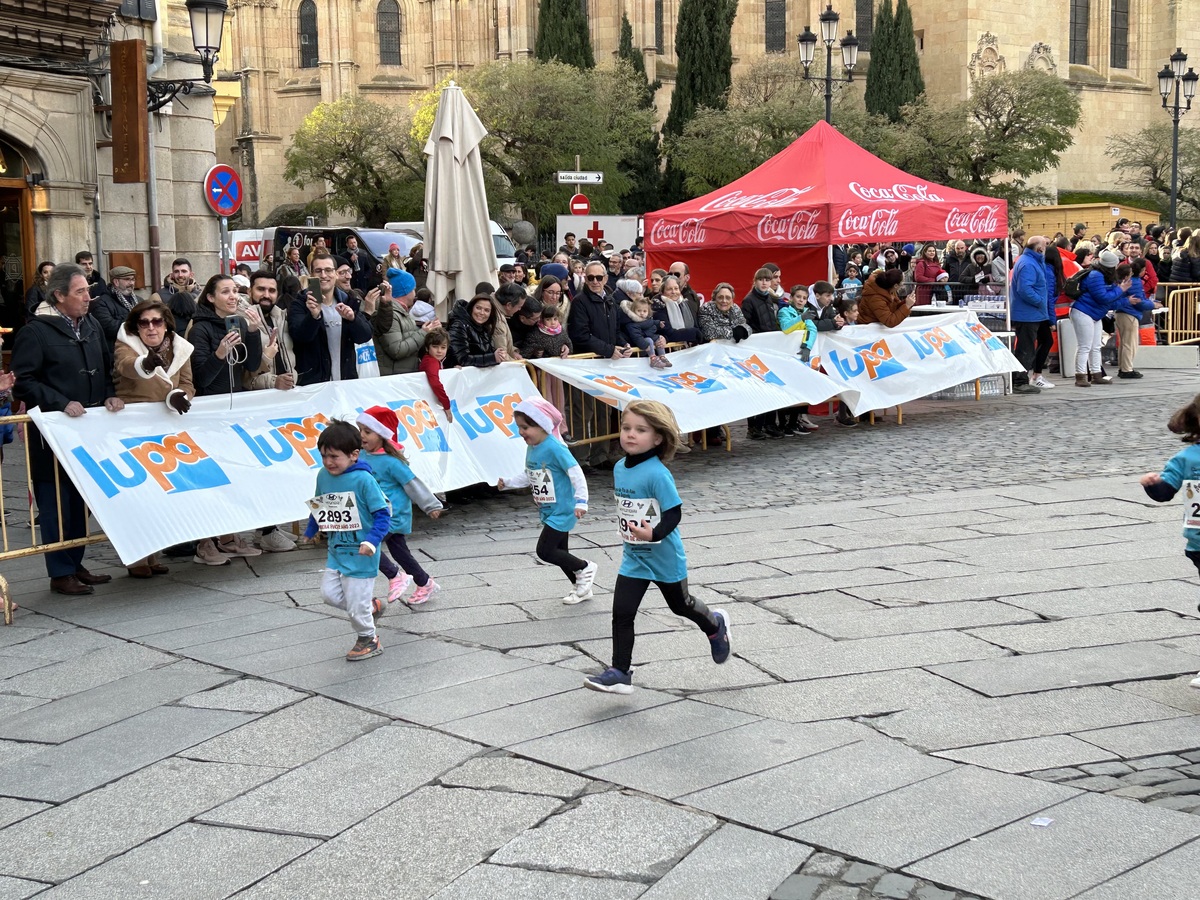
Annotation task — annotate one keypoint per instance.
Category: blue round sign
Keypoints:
(223, 190)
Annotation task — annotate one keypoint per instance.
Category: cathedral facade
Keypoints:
(290, 55)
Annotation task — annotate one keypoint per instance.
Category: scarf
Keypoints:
(548, 329)
(679, 314)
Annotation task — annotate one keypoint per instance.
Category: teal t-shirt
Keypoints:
(643, 493)
(393, 474)
(547, 465)
(1185, 466)
(343, 545)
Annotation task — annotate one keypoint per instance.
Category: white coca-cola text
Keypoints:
(974, 222)
(799, 226)
(738, 200)
(688, 233)
(905, 193)
(877, 223)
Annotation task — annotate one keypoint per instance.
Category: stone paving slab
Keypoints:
(842, 696)
(610, 835)
(66, 770)
(816, 785)
(276, 649)
(1088, 631)
(81, 673)
(488, 882)
(914, 619)
(18, 888)
(202, 615)
(787, 585)
(1175, 595)
(508, 773)
(471, 699)
(445, 832)
(222, 628)
(1145, 738)
(595, 624)
(924, 818)
(246, 695)
(991, 720)
(822, 603)
(12, 810)
(1174, 692)
(193, 862)
(327, 796)
(1067, 668)
(1091, 839)
(84, 829)
(1171, 876)
(439, 621)
(1031, 754)
(698, 674)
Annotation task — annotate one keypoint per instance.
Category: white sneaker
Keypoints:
(1195, 682)
(276, 542)
(207, 554)
(1042, 383)
(574, 597)
(584, 579)
(238, 547)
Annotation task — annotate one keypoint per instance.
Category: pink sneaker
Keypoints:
(397, 586)
(423, 593)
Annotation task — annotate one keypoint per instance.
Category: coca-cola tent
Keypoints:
(823, 189)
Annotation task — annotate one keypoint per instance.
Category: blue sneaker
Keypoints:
(720, 640)
(610, 681)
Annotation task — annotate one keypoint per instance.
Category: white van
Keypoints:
(506, 251)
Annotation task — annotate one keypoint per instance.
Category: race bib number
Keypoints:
(1191, 504)
(335, 512)
(633, 511)
(542, 483)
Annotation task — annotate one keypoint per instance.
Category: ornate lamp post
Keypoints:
(1173, 77)
(808, 44)
(208, 21)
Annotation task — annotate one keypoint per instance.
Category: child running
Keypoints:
(1182, 473)
(353, 512)
(559, 490)
(377, 426)
(648, 515)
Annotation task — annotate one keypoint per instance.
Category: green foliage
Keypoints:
(907, 62)
(361, 151)
(1153, 202)
(883, 79)
(642, 166)
(1144, 158)
(563, 34)
(538, 117)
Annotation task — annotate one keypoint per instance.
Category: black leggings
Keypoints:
(627, 597)
(399, 549)
(552, 548)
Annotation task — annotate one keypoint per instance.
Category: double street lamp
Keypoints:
(1174, 78)
(829, 32)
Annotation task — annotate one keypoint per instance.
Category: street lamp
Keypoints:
(1173, 77)
(828, 21)
(208, 21)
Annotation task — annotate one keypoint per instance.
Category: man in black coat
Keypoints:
(762, 315)
(325, 329)
(63, 363)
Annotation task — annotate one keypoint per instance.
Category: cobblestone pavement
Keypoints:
(961, 656)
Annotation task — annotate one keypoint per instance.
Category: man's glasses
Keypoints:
(322, 271)
(151, 323)
(596, 277)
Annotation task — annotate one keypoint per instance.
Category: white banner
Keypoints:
(153, 478)
(707, 385)
(620, 231)
(879, 367)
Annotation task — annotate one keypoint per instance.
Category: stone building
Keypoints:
(57, 195)
(291, 55)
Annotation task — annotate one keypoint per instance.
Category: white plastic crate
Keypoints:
(989, 386)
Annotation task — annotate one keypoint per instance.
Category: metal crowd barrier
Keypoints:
(1183, 312)
(20, 539)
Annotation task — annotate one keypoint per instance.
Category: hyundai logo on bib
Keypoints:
(801, 225)
(738, 200)
(904, 193)
(287, 437)
(689, 232)
(974, 222)
(877, 223)
(174, 462)
(493, 411)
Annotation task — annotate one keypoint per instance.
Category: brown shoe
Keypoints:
(88, 578)
(69, 585)
(158, 569)
(140, 571)
(1082, 381)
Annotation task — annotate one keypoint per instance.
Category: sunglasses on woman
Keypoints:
(151, 323)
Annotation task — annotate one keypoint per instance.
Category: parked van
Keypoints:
(506, 251)
(373, 241)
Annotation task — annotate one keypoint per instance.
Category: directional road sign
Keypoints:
(581, 178)
(223, 190)
(580, 205)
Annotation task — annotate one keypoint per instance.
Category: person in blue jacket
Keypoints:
(1100, 292)
(1027, 306)
(1128, 314)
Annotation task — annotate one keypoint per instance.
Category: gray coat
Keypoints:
(398, 339)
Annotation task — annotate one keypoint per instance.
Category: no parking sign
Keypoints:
(223, 190)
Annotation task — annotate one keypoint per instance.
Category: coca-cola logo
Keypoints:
(738, 200)
(689, 232)
(981, 221)
(879, 223)
(904, 193)
(799, 226)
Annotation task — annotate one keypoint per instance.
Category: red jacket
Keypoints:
(432, 369)
(1150, 280)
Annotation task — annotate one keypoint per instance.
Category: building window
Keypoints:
(1080, 13)
(658, 27)
(776, 26)
(308, 34)
(1118, 48)
(864, 20)
(387, 23)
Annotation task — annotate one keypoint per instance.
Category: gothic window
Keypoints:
(864, 21)
(1118, 48)
(1080, 13)
(387, 23)
(658, 26)
(308, 34)
(776, 26)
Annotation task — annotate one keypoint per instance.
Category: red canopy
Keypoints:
(822, 189)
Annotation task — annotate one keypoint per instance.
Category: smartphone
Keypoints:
(314, 286)
(233, 323)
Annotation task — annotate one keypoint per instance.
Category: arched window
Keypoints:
(1080, 13)
(776, 26)
(1118, 50)
(387, 23)
(308, 34)
(864, 21)
(658, 27)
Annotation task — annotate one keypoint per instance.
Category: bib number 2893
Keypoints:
(336, 512)
(635, 511)
(1191, 504)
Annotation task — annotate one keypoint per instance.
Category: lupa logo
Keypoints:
(174, 462)
(286, 438)
(876, 360)
(489, 413)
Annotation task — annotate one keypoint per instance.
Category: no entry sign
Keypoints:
(580, 205)
(223, 190)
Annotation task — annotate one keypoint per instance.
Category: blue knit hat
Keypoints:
(402, 283)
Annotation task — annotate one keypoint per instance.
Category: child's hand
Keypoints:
(366, 549)
(1149, 479)
(499, 484)
(580, 512)
(641, 530)
(435, 514)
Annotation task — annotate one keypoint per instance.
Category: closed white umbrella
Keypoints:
(458, 241)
